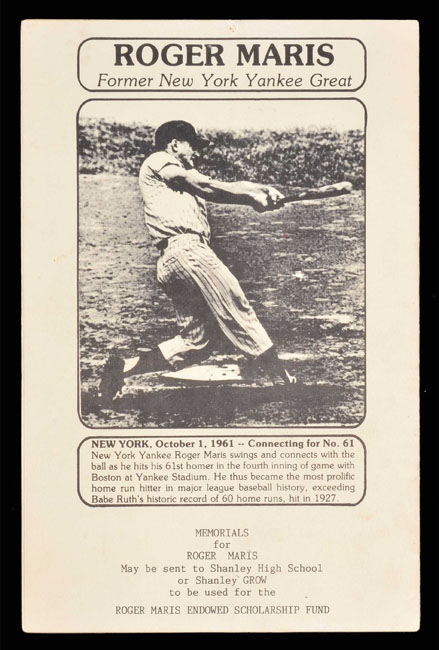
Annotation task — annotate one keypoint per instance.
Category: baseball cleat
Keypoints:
(249, 369)
(271, 365)
(282, 378)
(112, 380)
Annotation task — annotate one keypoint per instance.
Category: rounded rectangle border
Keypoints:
(224, 99)
(235, 437)
(81, 55)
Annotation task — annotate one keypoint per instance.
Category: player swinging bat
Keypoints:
(199, 284)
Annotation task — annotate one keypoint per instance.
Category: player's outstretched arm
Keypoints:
(260, 197)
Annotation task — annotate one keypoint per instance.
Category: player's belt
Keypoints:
(164, 243)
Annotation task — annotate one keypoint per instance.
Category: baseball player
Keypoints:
(199, 284)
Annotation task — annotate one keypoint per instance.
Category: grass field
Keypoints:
(302, 268)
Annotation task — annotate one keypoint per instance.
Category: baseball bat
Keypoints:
(305, 194)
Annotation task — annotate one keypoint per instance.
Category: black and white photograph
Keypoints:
(221, 263)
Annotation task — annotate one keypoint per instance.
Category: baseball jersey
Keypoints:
(169, 212)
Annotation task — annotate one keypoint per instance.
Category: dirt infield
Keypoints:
(302, 268)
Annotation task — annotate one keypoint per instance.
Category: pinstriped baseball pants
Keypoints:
(198, 283)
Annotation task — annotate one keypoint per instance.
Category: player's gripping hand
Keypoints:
(274, 197)
(266, 198)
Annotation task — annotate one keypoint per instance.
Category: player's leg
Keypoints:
(191, 344)
(229, 306)
(193, 341)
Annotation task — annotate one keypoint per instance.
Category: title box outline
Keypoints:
(201, 505)
(228, 38)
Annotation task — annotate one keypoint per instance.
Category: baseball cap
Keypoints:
(180, 130)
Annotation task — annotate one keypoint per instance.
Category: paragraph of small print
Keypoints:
(222, 471)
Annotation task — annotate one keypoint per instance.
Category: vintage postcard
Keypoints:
(220, 326)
